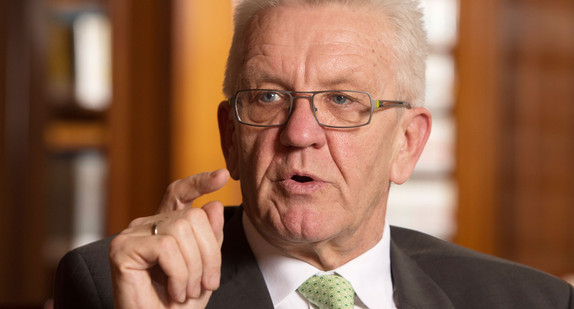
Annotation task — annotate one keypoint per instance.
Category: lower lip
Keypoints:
(296, 187)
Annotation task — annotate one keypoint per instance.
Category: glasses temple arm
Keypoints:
(390, 103)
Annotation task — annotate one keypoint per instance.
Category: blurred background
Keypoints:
(103, 103)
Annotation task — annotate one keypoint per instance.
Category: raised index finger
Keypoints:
(183, 192)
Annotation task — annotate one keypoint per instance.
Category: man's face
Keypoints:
(301, 182)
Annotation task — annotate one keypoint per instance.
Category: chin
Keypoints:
(304, 226)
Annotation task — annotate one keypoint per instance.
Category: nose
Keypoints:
(302, 130)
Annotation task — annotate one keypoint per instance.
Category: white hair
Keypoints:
(407, 43)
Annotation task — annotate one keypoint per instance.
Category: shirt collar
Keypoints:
(369, 273)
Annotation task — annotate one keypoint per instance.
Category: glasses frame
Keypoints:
(375, 105)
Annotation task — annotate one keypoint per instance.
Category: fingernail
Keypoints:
(182, 297)
(214, 173)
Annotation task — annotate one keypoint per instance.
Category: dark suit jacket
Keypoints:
(427, 273)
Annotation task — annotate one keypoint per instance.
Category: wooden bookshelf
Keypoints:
(73, 135)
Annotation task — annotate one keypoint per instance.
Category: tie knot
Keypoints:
(328, 292)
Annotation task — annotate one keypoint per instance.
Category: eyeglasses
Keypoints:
(331, 108)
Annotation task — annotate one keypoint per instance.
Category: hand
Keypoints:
(180, 266)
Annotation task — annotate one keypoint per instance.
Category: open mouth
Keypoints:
(301, 179)
(302, 183)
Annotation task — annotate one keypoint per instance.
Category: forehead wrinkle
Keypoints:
(356, 75)
(327, 76)
(323, 67)
(322, 57)
(253, 78)
(264, 66)
(262, 47)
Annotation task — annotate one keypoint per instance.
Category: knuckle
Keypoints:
(119, 248)
(177, 189)
(212, 267)
(171, 189)
(213, 262)
(167, 243)
(195, 215)
(194, 179)
(180, 226)
(136, 222)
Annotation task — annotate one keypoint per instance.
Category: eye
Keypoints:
(268, 97)
(340, 99)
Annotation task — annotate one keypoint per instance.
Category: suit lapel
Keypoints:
(242, 284)
(413, 287)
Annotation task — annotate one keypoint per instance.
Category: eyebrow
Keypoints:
(251, 75)
(344, 80)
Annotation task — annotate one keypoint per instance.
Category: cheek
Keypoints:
(256, 150)
(365, 162)
(357, 152)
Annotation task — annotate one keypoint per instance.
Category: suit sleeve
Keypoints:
(74, 285)
(571, 305)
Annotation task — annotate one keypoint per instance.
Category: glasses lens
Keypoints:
(342, 108)
(262, 107)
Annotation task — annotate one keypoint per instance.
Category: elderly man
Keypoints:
(324, 112)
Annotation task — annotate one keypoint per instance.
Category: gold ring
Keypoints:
(154, 228)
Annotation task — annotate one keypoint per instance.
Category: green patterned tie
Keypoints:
(328, 292)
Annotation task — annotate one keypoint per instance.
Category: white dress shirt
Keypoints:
(369, 273)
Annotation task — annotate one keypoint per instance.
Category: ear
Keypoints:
(226, 132)
(414, 130)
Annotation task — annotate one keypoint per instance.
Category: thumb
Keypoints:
(214, 211)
